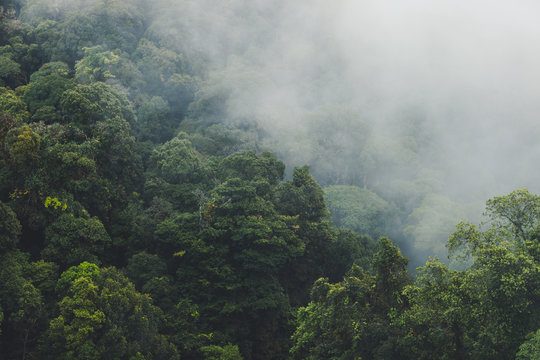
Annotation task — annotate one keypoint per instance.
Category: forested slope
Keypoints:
(136, 223)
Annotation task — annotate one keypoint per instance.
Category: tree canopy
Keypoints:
(142, 217)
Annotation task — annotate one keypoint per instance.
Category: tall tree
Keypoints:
(102, 316)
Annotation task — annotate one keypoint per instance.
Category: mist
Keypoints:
(416, 101)
(430, 105)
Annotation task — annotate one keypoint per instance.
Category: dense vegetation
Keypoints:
(134, 224)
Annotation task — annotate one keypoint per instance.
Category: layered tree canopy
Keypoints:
(138, 220)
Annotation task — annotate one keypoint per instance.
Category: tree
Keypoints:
(232, 252)
(22, 145)
(143, 267)
(530, 349)
(72, 239)
(347, 249)
(19, 57)
(331, 325)
(391, 275)
(10, 228)
(116, 158)
(13, 105)
(441, 306)
(358, 209)
(95, 66)
(10, 71)
(112, 67)
(115, 25)
(155, 121)
(85, 105)
(514, 220)
(179, 91)
(177, 162)
(303, 198)
(158, 65)
(102, 316)
(355, 318)
(227, 352)
(428, 225)
(23, 299)
(45, 90)
(68, 156)
(484, 311)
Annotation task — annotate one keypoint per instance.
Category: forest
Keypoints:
(174, 184)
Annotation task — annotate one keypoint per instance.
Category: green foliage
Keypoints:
(155, 121)
(302, 196)
(329, 327)
(514, 222)
(84, 269)
(163, 72)
(530, 349)
(347, 249)
(441, 306)
(143, 267)
(55, 203)
(233, 256)
(6, 123)
(57, 68)
(354, 318)
(358, 209)
(227, 352)
(71, 240)
(179, 91)
(390, 267)
(18, 59)
(112, 67)
(115, 153)
(247, 165)
(10, 228)
(102, 316)
(517, 213)
(216, 255)
(22, 145)
(45, 89)
(485, 311)
(10, 71)
(13, 105)
(95, 65)
(85, 105)
(218, 139)
(113, 24)
(67, 161)
(23, 301)
(113, 150)
(177, 161)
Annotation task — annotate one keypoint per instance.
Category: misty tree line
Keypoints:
(136, 224)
